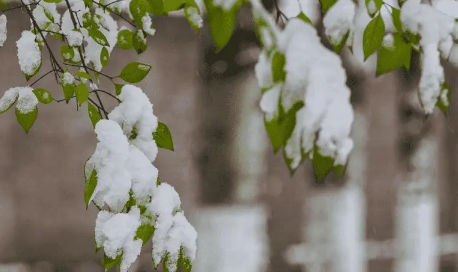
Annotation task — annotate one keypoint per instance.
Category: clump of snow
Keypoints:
(388, 40)
(338, 21)
(26, 99)
(9, 97)
(225, 4)
(144, 175)
(43, 22)
(29, 54)
(3, 30)
(436, 29)
(371, 7)
(67, 79)
(116, 233)
(147, 25)
(136, 110)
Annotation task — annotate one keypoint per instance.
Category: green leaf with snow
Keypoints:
(109, 263)
(144, 232)
(134, 72)
(138, 9)
(8, 103)
(321, 164)
(44, 96)
(395, 56)
(26, 120)
(278, 67)
(221, 22)
(124, 40)
(93, 114)
(35, 71)
(163, 137)
(373, 36)
(89, 187)
(337, 46)
(98, 36)
(104, 57)
(139, 41)
(184, 261)
(82, 93)
(326, 5)
(193, 17)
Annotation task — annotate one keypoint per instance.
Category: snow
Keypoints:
(338, 21)
(136, 111)
(388, 40)
(195, 17)
(436, 29)
(9, 97)
(41, 18)
(67, 79)
(144, 175)
(371, 7)
(314, 75)
(29, 54)
(292, 8)
(3, 30)
(27, 100)
(225, 4)
(116, 233)
(147, 25)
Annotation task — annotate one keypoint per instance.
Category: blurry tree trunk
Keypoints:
(231, 224)
(417, 221)
(336, 208)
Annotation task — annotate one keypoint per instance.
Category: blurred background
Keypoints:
(247, 208)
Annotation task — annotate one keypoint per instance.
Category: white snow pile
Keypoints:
(123, 164)
(314, 75)
(3, 30)
(29, 54)
(26, 99)
(438, 31)
(338, 21)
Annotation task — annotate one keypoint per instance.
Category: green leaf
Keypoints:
(82, 93)
(48, 15)
(396, 17)
(139, 41)
(184, 261)
(144, 232)
(444, 103)
(124, 40)
(69, 90)
(138, 9)
(326, 5)
(88, 3)
(104, 57)
(373, 36)
(193, 17)
(173, 5)
(304, 18)
(163, 137)
(3, 4)
(158, 181)
(37, 69)
(373, 6)
(109, 263)
(94, 114)
(43, 96)
(339, 170)
(280, 128)
(89, 187)
(67, 52)
(26, 120)
(221, 22)
(82, 74)
(394, 57)
(118, 88)
(278, 67)
(157, 7)
(322, 164)
(134, 72)
(98, 36)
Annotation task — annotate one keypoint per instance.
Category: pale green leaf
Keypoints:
(26, 120)
(44, 96)
(82, 93)
(93, 113)
(373, 36)
(134, 72)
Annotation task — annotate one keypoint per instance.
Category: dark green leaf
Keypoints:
(93, 113)
(26, 120)
(139, 41)
(373, 36)
(163, 137)
(134, 72)
(322, 164)
(43, 96)
(89, 187)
